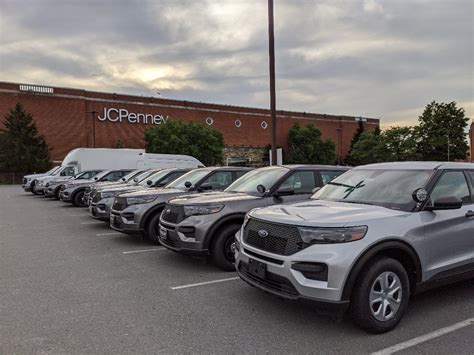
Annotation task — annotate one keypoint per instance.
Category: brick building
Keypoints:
(71, 118)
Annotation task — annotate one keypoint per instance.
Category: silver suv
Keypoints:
(206, 225)
(139, 212)
(104, 197)
(52, 187)
(366, 241)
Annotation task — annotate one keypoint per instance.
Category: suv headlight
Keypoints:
(331, 235)
(194, 210)
(107, 194)
(140, 200)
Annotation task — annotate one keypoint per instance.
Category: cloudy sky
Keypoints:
(369, 58)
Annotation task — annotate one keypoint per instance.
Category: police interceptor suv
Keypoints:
(366, 241)
(206, 225)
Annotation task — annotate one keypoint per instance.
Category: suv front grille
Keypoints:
(280, 239)
(173, 213)
(120, 204)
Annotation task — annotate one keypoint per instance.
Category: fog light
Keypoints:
(313, 271)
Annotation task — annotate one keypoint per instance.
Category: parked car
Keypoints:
(37, 186)
(139, 212)
(28, 180)
(104, 197)
(366, 241)
(52, 187)
(92, 188)
(206, 225)
(73, 191)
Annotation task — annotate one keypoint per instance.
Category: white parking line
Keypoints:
(204, 283)
(424, 338)
(111, 233)
(142, 251)
(78, 215)
(93, 222)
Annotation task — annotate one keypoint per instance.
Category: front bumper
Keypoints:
(123, 221)
(187, 237)
(101, 210)
(66, 195)
(280, 279)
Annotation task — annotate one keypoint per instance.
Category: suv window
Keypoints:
(301, 181)
(219, 180)
(471, 175)
(452, 183)
(171, 177)
(328, 176)
(69, 171)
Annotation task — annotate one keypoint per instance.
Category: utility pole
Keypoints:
(271, 50)
(449, 148)
(93, 113)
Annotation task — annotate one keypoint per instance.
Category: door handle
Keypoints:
(469, 214)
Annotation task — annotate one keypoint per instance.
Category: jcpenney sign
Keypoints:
(121, 114)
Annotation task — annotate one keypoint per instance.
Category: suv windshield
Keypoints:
(387, 188)
(140, 177)
(154, 177)
(249, 182)
(194, 176)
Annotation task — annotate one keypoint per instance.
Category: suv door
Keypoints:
(448, 243)
(302, 182)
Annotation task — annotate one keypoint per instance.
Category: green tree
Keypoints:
(355, 139)
(22, 149)
(439, 124)
(367, 150)
(305, 146)
(180, 137)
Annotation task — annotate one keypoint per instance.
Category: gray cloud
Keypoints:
(376, 58)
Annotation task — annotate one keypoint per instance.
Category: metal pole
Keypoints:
(449, 151)
(271, 50)
(93, 126)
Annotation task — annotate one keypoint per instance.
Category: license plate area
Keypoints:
(257, 268)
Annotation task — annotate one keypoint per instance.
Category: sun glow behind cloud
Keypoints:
(368, 58)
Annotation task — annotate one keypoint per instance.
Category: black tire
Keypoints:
(77, 199)
(368, 284)
(151, 228)
(56, 193)
(222, 253)
(32, 187)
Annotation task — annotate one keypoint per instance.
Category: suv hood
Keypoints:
(34, 176)
(121, 187)
(213, 197)
(320, 213)
(153, 192)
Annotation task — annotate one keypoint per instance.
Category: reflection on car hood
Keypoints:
(122, 187)
(212, 197)
(153, 192)
(319, 213)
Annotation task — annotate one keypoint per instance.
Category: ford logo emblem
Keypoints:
(168, 211)
(263, 233)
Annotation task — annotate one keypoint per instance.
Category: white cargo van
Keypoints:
(104, 158)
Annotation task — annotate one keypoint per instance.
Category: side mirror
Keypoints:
(149, 182)
(316, 189)
(261, 189)
(284, 191)
(445, 203)
(205, 187)
(188, 184)
(96, 178)
(420, 195)
(135, 180)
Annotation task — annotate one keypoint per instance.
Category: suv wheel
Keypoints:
(381, 296)
(56, 193)
(152, 229)
(78, 199)
(222, 248)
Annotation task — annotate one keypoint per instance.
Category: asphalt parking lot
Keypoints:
(69, 284)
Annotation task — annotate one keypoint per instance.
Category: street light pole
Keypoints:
(271, 50)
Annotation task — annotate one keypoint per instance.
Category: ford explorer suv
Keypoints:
(29, 180)
(65, 172)
(92, 188)
(52, 187)
(366, 241)
(104, 197)
(139, 212)
(73, 191)
(206, 225)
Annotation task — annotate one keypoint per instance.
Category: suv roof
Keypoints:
(232, 168)
(417, 165)
(314, 166)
